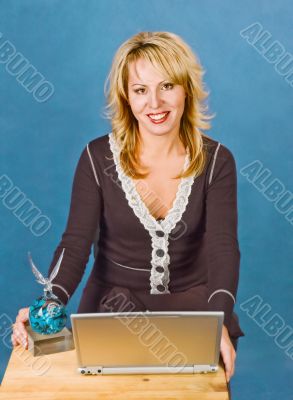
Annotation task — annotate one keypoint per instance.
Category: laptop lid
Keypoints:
(147, 342)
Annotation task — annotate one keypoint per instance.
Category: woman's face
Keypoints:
(156, 103)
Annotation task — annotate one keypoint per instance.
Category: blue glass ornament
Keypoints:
(47, 314)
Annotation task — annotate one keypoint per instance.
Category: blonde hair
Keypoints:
(173, 57)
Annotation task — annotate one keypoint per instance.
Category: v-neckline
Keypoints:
(139, 207)
(160, 220)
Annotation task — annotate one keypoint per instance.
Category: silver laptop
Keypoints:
(147, 342)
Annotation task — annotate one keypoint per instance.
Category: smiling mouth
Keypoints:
(158, 118)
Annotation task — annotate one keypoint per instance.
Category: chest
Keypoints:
(159, 189)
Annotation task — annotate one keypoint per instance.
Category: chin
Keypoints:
(161, 132)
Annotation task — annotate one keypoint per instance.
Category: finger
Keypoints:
(233, 362)
(18, 340)
(228, 371)
(21, 328)
(20, 333)
(227, 359)
(13, 340)
(23, 315)
(23, 310)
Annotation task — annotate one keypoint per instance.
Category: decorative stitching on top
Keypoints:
(214, 162)
(62, 288)
(159, 231)
(92, 164)
(125, 266)
(224, 291)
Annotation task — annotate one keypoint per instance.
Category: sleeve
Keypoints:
(221, 234)
(83, 221)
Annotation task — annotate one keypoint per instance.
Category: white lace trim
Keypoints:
(161, 277)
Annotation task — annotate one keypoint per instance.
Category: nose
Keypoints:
(154, 99)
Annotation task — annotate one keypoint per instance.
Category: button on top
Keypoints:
(160, 233)
(161, 288)
(160, 252)
(159, 269)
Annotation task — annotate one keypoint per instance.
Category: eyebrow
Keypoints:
(141, 84)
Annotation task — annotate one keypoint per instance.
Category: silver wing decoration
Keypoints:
(36, 272)
(57, 266)
(40, 278)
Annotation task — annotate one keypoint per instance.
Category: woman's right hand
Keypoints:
(19, 333)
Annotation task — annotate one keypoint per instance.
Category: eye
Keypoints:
(167, 86)
(140, 90)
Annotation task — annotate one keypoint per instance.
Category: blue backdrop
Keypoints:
(50, 112)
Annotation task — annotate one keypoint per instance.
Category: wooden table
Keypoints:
(55, 376)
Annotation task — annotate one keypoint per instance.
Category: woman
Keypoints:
(161, 195)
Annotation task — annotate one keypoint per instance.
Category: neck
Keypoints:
(161, 146)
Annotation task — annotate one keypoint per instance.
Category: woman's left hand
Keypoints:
(228, 353)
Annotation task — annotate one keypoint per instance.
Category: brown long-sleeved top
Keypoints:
(186, 261)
